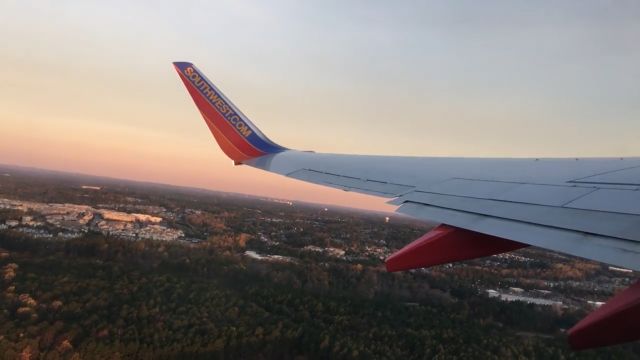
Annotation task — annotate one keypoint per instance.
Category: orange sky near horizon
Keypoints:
(89, 87)
(82, 151)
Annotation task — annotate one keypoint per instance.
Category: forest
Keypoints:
(104, 298)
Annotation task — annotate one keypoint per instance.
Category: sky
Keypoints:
(88, 86)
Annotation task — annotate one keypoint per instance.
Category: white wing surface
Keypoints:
(584, 207)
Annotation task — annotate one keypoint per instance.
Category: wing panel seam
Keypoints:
(519, 221)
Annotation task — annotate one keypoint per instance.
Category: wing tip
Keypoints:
(236, 135)
(181, 63)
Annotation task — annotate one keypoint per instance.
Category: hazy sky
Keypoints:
(88, 86)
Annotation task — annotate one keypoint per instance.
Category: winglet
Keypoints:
(237, 136)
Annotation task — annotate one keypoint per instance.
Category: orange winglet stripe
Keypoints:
(227, 147)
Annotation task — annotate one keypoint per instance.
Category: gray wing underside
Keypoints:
(584, 207)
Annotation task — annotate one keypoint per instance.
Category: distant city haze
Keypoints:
(88, 86)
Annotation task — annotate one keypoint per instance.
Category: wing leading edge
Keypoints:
(584, 207)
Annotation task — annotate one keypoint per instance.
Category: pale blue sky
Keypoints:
(464, 78)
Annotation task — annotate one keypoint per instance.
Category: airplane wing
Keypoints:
(587, 207)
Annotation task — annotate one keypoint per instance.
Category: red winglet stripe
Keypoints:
(227, 147)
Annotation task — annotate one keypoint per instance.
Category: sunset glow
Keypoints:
(88, 87)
